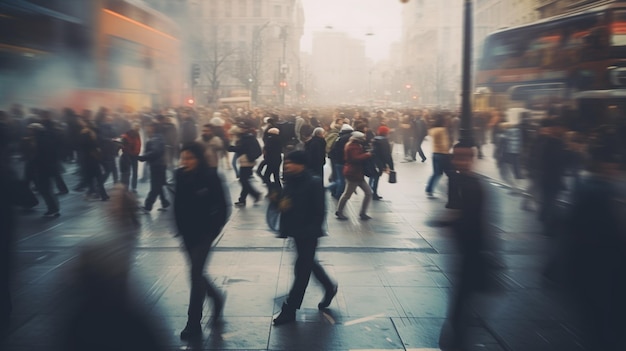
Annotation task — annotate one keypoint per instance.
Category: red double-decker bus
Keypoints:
(86, 54)
(576, 59)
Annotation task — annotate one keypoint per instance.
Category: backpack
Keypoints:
(254, 150)
(287, 133)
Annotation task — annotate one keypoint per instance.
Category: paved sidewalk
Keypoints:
(395, 274)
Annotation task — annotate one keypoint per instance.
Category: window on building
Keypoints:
(228, 10)
(227, 32)
(277, 11)
(243, 8)
(256, 9)
(242, 31)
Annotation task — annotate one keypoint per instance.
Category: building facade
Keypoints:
(340, 68)
(240, 48)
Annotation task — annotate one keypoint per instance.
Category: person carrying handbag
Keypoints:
(355, 156)
(381, 153)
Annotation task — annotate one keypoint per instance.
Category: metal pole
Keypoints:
(466, 138)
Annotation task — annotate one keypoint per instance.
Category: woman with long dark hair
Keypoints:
(200, 210)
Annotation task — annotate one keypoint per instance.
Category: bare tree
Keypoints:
(215, 58)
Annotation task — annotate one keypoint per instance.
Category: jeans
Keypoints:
(441, 165)
(339, 182)
(373, 183)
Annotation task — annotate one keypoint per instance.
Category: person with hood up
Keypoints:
(336, 156)
(355, 156)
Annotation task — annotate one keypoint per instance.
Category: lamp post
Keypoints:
(466, 138)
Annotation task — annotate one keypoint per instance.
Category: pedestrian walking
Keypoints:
(129, 163)
(337, 156)
(441, 153)
(200, 211)
(470, 236)
(155, 156)
(272, 155)
(45, 163)
(381, 153)
(248, 149)
(315, 149)
(302, 204)
(355, 156)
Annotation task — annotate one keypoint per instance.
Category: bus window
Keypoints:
(503, 52)
(618, 28)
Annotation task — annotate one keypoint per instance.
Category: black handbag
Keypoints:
(392, 177)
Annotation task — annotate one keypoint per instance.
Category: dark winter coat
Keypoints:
(303, 206)
(315, 149)
(336, 153)
(272, 149)
(381, 152)
(200, 208)
(155, 151)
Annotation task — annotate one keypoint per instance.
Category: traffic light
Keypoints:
(195, 74)
(283, 84)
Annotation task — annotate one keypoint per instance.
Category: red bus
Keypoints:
(575, 58)
(87, 54)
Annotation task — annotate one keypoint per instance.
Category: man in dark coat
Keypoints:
(155, 156)
(272, 156)
(336, 155)
(302, 205)
(315, 149)
(470, 237)
(46, 163)
(201, 211)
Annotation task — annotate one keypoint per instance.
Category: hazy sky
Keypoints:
(356, 17)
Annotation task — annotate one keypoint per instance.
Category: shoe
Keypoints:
(240, 204)
(424, 159)
(364, 217)
(165, 204)
(191, 331)
(218, 306)
(340, 216)
(52, 214)
(257, 199)
(287, 315)
(105, 198)
(328, 297)
(146, 210)
(430, 195)
(376, 197)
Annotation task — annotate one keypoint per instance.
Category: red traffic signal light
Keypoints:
(283, 83)
(190, 101)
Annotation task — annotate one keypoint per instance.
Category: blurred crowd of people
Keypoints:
(358, 144)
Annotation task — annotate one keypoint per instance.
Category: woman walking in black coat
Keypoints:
(200, 210)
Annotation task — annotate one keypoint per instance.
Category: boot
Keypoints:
(328, 297)
(191, 331)
(287, 315)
